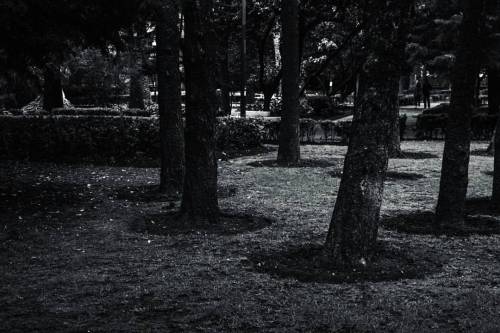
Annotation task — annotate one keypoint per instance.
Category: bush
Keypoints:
(99, 111)
(110, 140)
(433, 126)
(239, 133)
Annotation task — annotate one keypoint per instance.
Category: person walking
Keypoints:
(417, 93)
(426, 90)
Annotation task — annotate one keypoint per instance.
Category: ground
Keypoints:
(72, 261)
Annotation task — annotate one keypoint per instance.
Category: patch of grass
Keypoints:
(173, 223)
(303, 163)
(307, 264)
(423, 223)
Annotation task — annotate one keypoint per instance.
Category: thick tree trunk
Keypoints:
(495, 196)
(352, 236)
(289, 137)
(52, 87)
(169, 99)
(199, 200)
(455, 168)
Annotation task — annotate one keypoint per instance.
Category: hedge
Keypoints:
(106, 139)
(432, 126)
(124, 139)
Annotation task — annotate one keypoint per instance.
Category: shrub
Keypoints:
(99, 111)
(239, 133)
(108, 139)
(433, 126)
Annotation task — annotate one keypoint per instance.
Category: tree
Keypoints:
(169, 98)
(44, 33)
(455, 167)
(352, 235)
(289, 137)
(199, 199)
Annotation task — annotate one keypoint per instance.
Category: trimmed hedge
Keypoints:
(110, 140)
(432, 126)
(97, 112)
(126, 140)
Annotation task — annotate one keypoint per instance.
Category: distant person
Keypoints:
(417, 93)
(426, 91)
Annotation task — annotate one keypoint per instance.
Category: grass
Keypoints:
(71, 260)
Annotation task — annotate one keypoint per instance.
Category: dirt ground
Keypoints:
(71, 260)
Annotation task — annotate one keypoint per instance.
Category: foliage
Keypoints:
(112, 139)
(239, 133)
(433, 126)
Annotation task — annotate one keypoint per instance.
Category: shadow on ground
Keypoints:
(172, 223)
(479, 221)
(303, 163)
(307, 264)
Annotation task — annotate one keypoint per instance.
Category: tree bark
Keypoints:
(352, 235)
(199, 200)
(52, 87)
(136, 93)
(455, 167)
(136, 88)
(494, 108)
(289, 137)
(169, 98)
(493, 101)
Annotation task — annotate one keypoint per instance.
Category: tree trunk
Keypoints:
(136, 88)
(455, 167)
(493, 100)
(136, 94)
(225, 85)
(52, 87)
(268, 95)
(395, 142)
(352, 235)
(169, 99)
(494, 108)
(289, 137)
(199, 200)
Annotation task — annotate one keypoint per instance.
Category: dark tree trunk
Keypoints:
(136, 94)
(136, 88)
(352, 236)
(455, 168)
(289, 144)
(169, 99)
(395, 142)
(225, 85)
(199, 200)
(268, 95)
(493, 100)
(52, 87)
(494, 108)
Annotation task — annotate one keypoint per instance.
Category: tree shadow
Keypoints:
(307, 264)
(303, 163)
(151, 193)
(172, 223)
(423, 223)
(415, 155)
(390, 175)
